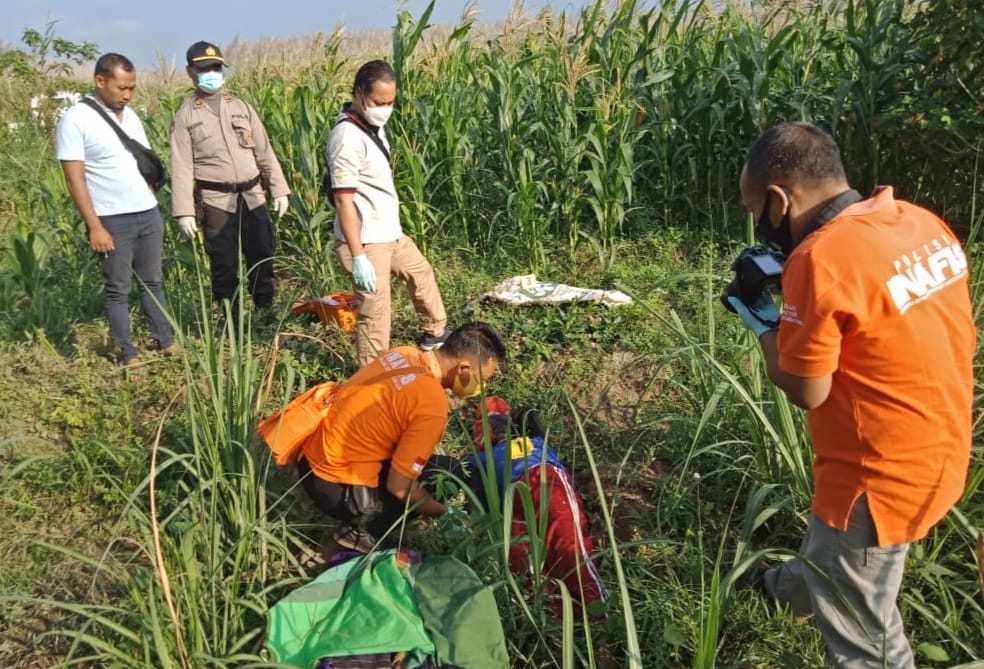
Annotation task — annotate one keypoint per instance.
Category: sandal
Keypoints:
(171, 350)
(134, 369)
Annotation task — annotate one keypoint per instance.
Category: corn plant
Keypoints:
(877, 61)
(436, 157)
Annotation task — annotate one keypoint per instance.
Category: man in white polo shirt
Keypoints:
(120, 211)
(369, 241)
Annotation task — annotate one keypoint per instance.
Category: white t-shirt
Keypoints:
(111, 175)
(356, 162)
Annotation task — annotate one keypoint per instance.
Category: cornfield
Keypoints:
(602, 146)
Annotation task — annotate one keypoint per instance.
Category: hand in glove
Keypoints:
(454, 523)
(280, 205)
(363, 273)
(761, 317)
(188, 225)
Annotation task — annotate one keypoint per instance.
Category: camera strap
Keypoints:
(834, 207)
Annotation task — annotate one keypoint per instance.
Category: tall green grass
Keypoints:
(603, 145)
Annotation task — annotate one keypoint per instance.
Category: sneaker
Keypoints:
(355, 539)
(430, 342)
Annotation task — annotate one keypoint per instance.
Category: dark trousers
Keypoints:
(371, 509)
(228, 232)
(139, 242)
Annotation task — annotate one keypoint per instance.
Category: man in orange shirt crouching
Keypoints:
(381, 431)
(876, 341)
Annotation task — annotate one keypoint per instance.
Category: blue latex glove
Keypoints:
(761, 317)
(363, 273)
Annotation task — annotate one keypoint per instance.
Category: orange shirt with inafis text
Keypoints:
(878, 298)
(392, 409)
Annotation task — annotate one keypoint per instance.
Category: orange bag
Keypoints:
(286, 431)
(338, 308)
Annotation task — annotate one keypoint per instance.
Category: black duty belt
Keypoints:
(240, 187)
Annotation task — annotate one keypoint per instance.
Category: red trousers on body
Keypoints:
(568, 544)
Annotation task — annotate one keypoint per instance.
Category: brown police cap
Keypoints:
(204, 53)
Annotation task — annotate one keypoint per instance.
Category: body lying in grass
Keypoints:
(514, 449)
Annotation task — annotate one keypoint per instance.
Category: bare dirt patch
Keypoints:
(623, 383)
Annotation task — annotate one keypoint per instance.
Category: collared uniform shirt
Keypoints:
(382, 414)
(878, 298)
(111, 175)
(228, 146)
(358, 165)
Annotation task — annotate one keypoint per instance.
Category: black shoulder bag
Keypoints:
(150, 166)
(351, 118)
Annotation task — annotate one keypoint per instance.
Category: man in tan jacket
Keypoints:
(221, 161)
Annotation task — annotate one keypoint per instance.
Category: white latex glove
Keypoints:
(280, 205)
(363, 273)
(188, 225)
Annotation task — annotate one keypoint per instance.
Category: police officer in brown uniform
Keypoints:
(221, 161)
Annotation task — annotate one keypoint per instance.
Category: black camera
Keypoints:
(758, 270)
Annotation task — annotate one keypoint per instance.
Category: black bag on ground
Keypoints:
(150, 166)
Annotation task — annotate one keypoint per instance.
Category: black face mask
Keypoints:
(780, 238)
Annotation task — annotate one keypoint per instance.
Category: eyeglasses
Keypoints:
(215, 67)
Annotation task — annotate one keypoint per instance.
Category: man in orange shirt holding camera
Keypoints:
(876, 341)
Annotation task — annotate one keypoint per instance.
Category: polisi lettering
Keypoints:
(919, 253)
(925, 276)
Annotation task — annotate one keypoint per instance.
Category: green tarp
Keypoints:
(382, 603)
(460, 614)
(361, 606)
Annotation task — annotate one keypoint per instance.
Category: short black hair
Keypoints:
(793, 151)
(472, 339)
(370, 73)
(108, 62)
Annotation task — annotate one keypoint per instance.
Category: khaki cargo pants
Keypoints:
(402, 259)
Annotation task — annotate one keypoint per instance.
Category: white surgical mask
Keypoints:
(378, 116)
(210, 82)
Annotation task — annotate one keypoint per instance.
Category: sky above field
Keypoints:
(139, 28)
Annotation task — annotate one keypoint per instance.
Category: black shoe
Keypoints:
(430, 342)
(265, 317)
(754, 578)
(355, 539)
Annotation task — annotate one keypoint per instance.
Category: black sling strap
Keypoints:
(150, 165)
(833, 208)
(326, 187)
(125, 138)
(352, 118)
